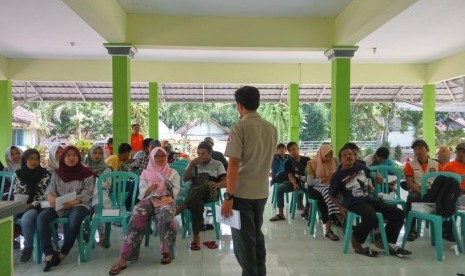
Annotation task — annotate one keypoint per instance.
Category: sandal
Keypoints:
(166, 259)
(211, 244)
(278, 217)
(116, 269)
(412, 235)
(195, 246)
(330, 235)
(366, 251)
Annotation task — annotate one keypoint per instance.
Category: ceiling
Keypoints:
(51, 28)
(403, 32)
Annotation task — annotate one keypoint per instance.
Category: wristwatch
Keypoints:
(228, 196)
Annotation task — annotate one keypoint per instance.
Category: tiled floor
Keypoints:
(290, 251)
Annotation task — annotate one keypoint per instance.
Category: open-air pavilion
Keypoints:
(295, 51)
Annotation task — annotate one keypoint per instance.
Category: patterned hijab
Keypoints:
(12, 166)
(323, 169)
(52, 161)
(77, 172)
(30, 177)
(97, 167)
(150, 174)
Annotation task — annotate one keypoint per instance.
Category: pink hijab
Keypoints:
(150, 174)
(323, 169)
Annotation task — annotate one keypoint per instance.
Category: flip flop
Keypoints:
(366, 251)
(194, 246)
(211, 244)
(116, 269)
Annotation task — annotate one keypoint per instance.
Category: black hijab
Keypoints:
(30, 177)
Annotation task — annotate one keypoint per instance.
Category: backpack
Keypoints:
(444, 192)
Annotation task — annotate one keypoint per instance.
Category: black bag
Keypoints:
(202, 179)
(444, 192)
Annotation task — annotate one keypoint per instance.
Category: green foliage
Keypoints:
(398, 153)
(364, 124)
(411, 119)
(83, 146)
(317, 123)
(140, 115)
(369, 150)
(449, 137)
(278, 115)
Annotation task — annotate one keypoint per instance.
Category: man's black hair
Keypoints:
(248, 96)
(146, 142)
(205, 145)
(136, 124)
(280, 145)
(346, 146)
(382, 152)
(124, 147)
(110, 141)
(290, 144)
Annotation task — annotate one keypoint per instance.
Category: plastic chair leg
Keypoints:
(383, 233)
(407, 229)
(313, 215)
(36, 247)
(438, 240)
(456, 235)
(215, 223)
(348, 232)
(93, 230)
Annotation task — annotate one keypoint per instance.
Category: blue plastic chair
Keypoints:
(3, 178)
(118, 197)
(385, 171)
(351, 217)
(435, 220)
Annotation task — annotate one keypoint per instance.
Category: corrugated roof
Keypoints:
(448, 92)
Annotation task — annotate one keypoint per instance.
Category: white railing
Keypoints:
(307, 146)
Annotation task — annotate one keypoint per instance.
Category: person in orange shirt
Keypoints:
(136, 139)
(458, 165)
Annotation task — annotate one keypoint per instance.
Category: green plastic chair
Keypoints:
(294, 198)
(117, 196)
(435, 220)
(313, 215)
(3, 178)
(461, 215)
(351, 217)
(384, 187)
(274, 198)
(80, 237)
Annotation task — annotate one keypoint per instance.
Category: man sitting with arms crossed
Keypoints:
(352, 182)
(201, 192)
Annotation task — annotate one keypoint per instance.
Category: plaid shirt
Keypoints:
(140, 163)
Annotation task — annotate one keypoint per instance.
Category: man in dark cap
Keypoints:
(216, 154)
(414, 171)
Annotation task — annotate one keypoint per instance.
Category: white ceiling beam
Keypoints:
(35, 90)
(321, 94)
(448, 90)
(398, 93)
(359, 93)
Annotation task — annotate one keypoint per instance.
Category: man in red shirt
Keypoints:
(458, 165)
(136, 139)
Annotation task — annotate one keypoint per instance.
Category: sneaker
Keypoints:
(26, 254)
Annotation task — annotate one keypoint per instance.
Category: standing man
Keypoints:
(137, 139)
(250, 150)
(216, 154)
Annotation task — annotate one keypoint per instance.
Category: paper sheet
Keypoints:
(21, 198)
(62, 199)
(234, 221)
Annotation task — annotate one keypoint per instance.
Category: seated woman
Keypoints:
(13, 158)
(158, 186)
(30, 185)
(54, 155)
(97, 164)
(319, 172)
(71, 176)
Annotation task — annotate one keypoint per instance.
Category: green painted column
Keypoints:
(294, 115)
(6, 248)
(6, 114)
(153, 111)
(429, 117)
(340, 94)
(121, 77)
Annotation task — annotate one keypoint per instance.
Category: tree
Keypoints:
(412, 119)
(449, 137)
(398, 153)
(278, 115)
(364, 123)
(317, 124)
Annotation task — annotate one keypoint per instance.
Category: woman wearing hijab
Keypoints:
(71, 176)
(96, 163)
(158, 186)
(13, 158)
(54, 155)
(30, 185)
(319, 173)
